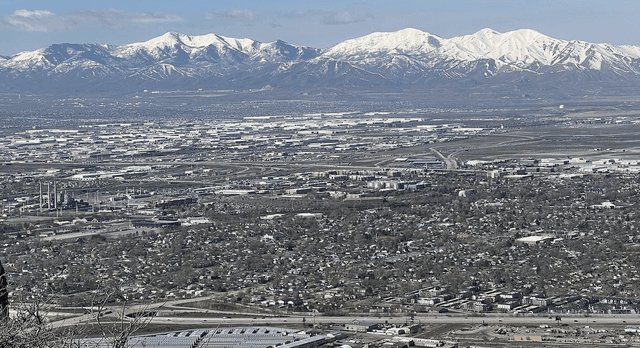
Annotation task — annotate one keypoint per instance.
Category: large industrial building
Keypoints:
(238, 337)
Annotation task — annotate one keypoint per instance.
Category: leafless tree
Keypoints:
(117, 332)
(27, 325)
(4, 294)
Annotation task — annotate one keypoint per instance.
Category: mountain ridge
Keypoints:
(408, 57)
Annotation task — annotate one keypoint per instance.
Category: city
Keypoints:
(458, 227)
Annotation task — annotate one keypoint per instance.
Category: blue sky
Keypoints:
(32, 24)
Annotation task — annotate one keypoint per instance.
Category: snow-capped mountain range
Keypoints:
(408, 57)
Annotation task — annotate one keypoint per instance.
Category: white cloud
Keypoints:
(36, 21)
(237, 14)
(33, 14)
(118, 19)
(356, 14)
(47, 21)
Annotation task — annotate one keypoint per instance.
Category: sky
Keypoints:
(32, 24)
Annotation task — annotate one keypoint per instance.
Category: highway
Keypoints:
(506, 320)
(199, 317)
(175, 312)
(451, 163)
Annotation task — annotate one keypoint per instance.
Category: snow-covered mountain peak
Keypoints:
(379, 43)
(151, 47)
(404, 57)
(28, 55)
(201, 41)
(489, 35)
(512, 45)
(486, 33)
(198, 46)
(167, 39)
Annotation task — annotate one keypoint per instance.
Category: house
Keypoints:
(481, 307)
(507, 306)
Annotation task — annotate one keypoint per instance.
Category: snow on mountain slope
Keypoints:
(55, 56)
(405, 57)
(412, 41)
(523, 49)
(28, 60)
(174, 46)
(280, 51)
(211, 47)
(524, 46)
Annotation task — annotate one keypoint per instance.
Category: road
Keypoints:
(448, 160)
(507, 320)
(167, 314)
(200, 317)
